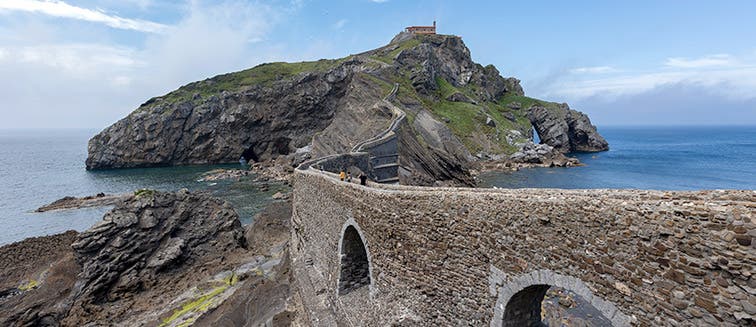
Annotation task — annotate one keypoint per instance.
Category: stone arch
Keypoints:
(519, 301)
(355, 266)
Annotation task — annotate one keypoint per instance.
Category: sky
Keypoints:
(88, 63)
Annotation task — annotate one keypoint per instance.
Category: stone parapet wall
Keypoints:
(339, 162)
(448, 255)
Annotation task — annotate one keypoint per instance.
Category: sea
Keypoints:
(38, 167)
(652, 158)
(41, 166)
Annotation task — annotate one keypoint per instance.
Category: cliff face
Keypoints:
(566, 130)
(458, 112)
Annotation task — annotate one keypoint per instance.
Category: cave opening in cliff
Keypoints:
(249, 154)
(355, 268)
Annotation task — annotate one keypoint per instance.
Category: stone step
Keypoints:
(389, 180)
(388, 165)
(384, 156)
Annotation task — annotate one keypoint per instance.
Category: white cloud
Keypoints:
(76, 60)
(339, 24)
(708, 61)
(52, 80)
(593, 70)
(58, 8)
(723, 75)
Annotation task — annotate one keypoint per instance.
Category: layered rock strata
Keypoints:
(458, 112)
(156, 259)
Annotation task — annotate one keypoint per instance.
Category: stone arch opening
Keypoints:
(521, 300)
(355, 263)
(524, 308)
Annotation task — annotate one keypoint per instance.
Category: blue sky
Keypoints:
(87, 63)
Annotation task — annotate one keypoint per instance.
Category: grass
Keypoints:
(466, 120)
(526, 102)
(389, 57)
(264, 74)
(386, 87)
(144, 192)
(445, 88)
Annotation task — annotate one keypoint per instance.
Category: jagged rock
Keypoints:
(545, 155)
(490, 122)
(459, 97)
(280, 196)
(444, 158)
(566, 130)
(148, 234)
(70, 202)
(509, 116)
(514, 105)
(127, 268)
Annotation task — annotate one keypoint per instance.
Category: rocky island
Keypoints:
(457, 113)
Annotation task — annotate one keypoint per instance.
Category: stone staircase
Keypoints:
(383, 149)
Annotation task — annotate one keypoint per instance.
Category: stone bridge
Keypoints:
(382, 255)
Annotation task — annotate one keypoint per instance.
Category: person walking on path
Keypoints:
(342, 175)
(349, 177)
(363, 179)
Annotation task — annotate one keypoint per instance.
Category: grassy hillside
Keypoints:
(264, 74)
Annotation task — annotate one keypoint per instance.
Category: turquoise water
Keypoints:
(41, 166)
(662, 158)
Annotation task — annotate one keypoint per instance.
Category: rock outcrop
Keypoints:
(71, 202)
(541, 155)
(151, 233)
(566, 130)
(289, 112)
(258, 121)
(128, 268)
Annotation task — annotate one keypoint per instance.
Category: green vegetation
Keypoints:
(526, 102)
(445, 88)
(389, 57)
(144, 192)
(386, 87)
(468, 120)
(201, 303)
(264, 74)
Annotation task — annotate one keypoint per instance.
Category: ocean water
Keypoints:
(41, 166)
(660, 158)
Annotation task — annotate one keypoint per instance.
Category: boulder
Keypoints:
(490, 122)
(566, 130)
(531, 154)
(459, 97)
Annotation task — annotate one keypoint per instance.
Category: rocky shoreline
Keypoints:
(157, 258)
(71, 202)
